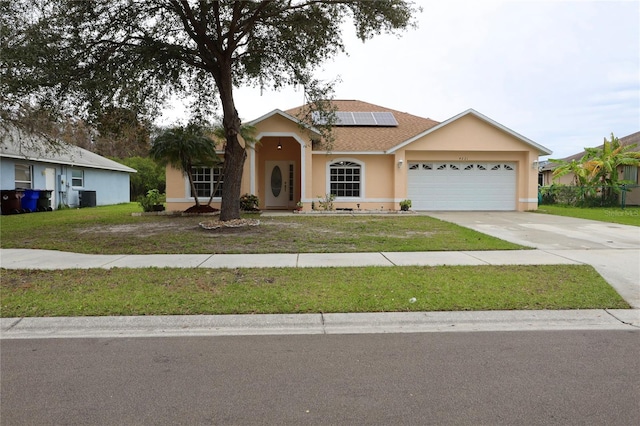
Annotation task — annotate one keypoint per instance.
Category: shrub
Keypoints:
(405, 205)
(153, 198)
(579, 196)
(326, 203)
(249, 203)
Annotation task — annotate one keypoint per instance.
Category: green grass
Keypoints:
(297, 290)
(113, 230)
(626, 216)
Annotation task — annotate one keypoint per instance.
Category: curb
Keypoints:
(308, 324)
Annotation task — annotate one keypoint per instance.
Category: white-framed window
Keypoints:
(23, 176)
(207, 179)
(345, 179)
(77, 178)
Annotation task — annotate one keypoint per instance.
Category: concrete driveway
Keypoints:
(612, 249)
(547, 232)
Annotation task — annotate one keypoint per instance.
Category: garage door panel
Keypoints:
(462, 186)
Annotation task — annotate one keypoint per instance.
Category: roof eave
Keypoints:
(69, 163)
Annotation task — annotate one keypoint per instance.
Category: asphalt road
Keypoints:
(532, 377)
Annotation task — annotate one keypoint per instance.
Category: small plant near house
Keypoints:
(326, 203)
(405, 205)
(249, 203)
(152, 202)
(313, 205)
(299, 205)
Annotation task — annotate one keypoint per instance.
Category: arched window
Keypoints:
(345, 179)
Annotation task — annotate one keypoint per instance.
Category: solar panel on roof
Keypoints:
(344, 119)
(384, 119)
(364, 119)
(358, 118)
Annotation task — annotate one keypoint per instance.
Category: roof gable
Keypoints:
(284, 115)
(471, 112)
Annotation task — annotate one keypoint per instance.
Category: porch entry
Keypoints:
(279, 184)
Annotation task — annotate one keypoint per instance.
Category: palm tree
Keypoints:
(598, 167)
(184, 147)
(602, 164)
(580, 174)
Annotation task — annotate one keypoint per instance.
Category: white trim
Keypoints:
(528, 200)
(190, 200)
(252, 171)
(349, 152)
(542, 150)
(359, 200)
(362, 178)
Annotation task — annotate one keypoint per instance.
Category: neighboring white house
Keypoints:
(29, 162)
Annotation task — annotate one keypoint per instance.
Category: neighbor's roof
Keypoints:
(17, 144)
(631, 139)
(373, 138)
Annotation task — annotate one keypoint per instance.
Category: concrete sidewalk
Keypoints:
(51, 259)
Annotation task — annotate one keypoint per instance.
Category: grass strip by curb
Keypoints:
(627, 216)
(154, 291)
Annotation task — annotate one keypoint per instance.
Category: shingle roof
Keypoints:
(633, 138)
(34, 148)
(373, 138)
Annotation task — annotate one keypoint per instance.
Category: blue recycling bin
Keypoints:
(30, 200)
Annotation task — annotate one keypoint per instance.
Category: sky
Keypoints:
(565, 74)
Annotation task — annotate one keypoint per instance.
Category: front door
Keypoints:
(279, 179)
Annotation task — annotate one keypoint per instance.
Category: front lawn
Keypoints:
(113, 230)
(150, 291)
(626, 216)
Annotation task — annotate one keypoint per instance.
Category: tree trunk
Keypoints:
(193, 188)
(234, 157)
(234, 153)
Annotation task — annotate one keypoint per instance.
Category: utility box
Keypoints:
(87, 198)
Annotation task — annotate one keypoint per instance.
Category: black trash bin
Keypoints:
(44, 202)
(87, 198)
(10, 201)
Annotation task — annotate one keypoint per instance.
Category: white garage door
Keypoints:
(462, 186)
